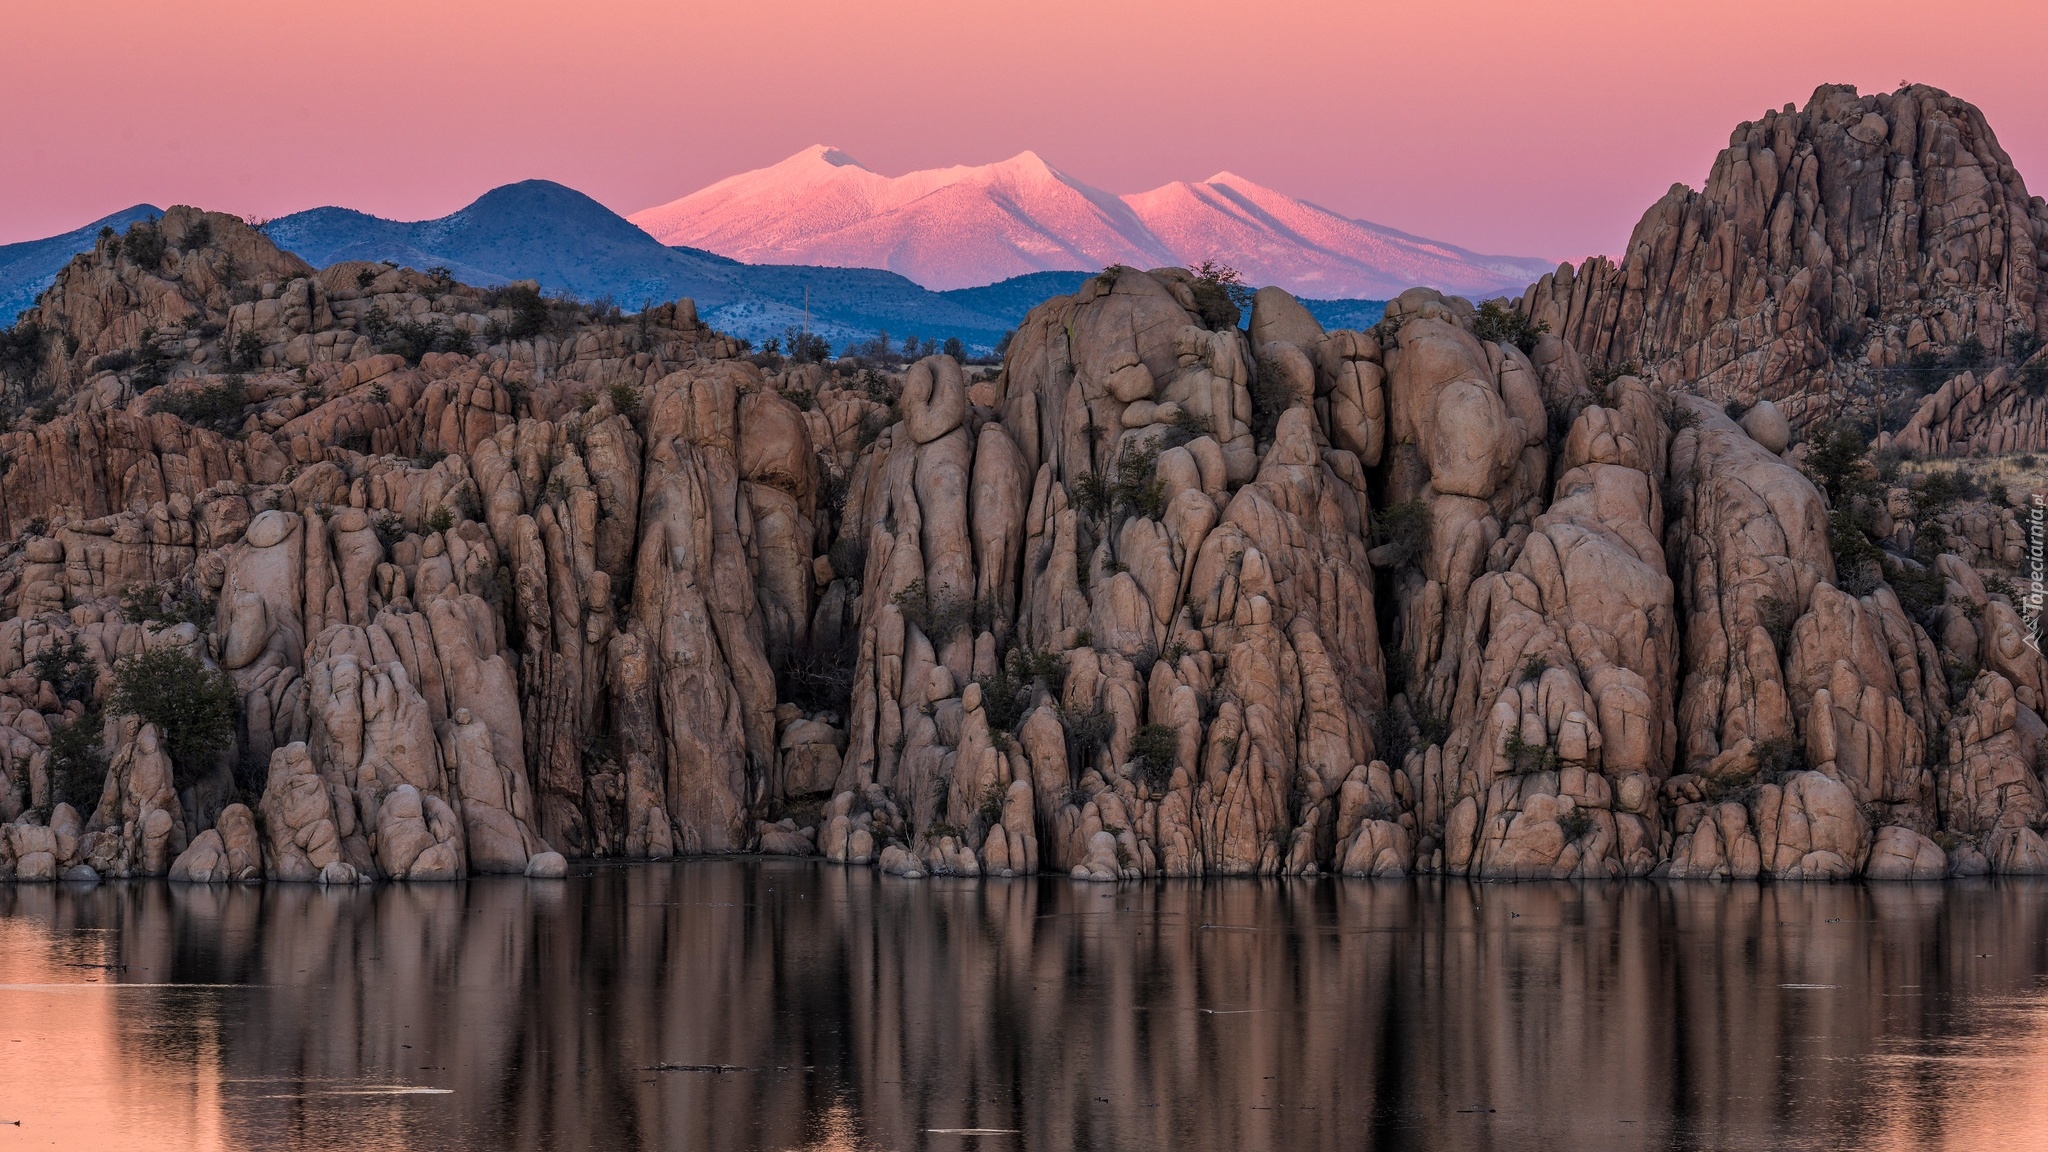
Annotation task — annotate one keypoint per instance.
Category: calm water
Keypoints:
(780, 1005)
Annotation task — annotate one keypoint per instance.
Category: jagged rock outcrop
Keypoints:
(1829, 245)
(2000, 412)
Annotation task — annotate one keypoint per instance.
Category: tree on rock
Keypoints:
(192, 706)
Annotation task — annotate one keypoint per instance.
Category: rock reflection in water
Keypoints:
(766, 1005)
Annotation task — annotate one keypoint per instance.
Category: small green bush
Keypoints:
(1525, 758)
(1270, 399)
(991, 808)
(440, 519)
(68, 669)
(941, 616)
(1534, 667)
(1777, 617)
(1835, 459)
(1138, 486)
(78, 766)
(219, 406)
(529, 311)
(1087, 731)
(192, 706)
(1090, 494)
(144, 245)
(1042, 665)
(167, 603)
(1503, 325)
(1154, 748)
(1607, 374)
(1779, 757)
(247, 354)
(1221, 295)
(1858, 562)
(1575, 824)
(1004, 699)
(849, 557)
(1404, 529)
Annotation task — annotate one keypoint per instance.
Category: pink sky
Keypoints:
(1513, 126)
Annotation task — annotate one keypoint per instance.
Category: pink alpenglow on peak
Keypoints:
(968, 225)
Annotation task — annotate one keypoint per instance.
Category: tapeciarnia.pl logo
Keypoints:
(2037, 567)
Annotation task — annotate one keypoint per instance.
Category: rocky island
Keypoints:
(1695, 564)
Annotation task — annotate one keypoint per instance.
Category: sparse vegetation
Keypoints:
(1575, 825)
(1086, 732)
(941, 615)
(1400, 534)
(1778, 758)
(849, 557)
(1525, 757)
(1221, 295)
(991, 807)
(1270, 398)
(1003, 699)
(1777, 617)
(1154, 749)
(1607, 374)
(816, 677)
(144, 245)
(218, 406)
(167, 603)
(1858, 562)
(529, 311)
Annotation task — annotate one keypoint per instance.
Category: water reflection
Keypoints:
(778, 1005)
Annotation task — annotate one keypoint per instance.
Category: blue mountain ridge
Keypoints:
(569, 243)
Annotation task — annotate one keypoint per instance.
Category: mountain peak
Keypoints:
(824, 154)
(968, 225)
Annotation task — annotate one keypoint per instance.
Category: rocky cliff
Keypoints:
(491, 580)
(1835, 257)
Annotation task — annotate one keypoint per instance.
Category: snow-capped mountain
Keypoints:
(966, 225)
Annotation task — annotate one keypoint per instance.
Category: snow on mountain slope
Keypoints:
(944, 228)
(975, 224)
(1273, 238)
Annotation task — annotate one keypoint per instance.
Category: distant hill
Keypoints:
(538, 230)
(30, 266)
(964, 225)
(542, 231)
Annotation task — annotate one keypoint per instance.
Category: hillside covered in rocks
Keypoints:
(362, 573)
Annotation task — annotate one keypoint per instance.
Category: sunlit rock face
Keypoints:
(1186, 585)
(1831, 248)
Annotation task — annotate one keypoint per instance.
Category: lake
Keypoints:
(757, 1004)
